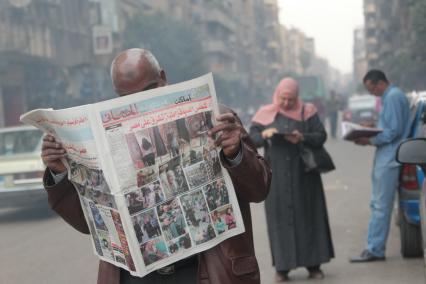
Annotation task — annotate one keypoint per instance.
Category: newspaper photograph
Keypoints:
(150, 180)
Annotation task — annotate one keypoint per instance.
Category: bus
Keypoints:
(311, 89)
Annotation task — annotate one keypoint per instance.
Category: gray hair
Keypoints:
(152, 60)
(139, 53)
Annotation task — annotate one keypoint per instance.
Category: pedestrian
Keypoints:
(395, 122)
(151, 231)
(162, 173)
(218, 223)
(147, 150)
(333, 106)
(171, 179)
(231, 261)
(138, 230)
(296, 209)
(230, 219)
(173, 144)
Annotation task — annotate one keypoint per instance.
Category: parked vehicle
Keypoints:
(413, 152)
(411, 181)
(21, 167)
(362, 109)
(312, 90)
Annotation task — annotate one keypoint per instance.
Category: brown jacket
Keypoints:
(232, 261)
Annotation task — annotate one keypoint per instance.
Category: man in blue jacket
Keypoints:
(395, 122)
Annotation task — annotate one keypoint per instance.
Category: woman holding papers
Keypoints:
(296, 211)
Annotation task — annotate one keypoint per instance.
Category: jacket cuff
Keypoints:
(58, 177)
(55, 191)
(235, 161)
(251, 177)
(373, 141)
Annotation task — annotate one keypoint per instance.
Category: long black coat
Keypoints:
(296, 211)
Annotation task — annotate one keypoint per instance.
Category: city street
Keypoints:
(38, 247)
(117, 83)
(348, 194)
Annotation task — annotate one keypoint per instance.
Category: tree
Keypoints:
(176, 45)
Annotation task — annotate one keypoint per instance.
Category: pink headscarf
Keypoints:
(266, 114)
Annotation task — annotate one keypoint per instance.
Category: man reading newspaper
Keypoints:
(233, 260)
(395, 123)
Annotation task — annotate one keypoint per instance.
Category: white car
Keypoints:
(21, 167)
(362, 109)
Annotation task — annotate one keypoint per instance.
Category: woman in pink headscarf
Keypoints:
(296, 211)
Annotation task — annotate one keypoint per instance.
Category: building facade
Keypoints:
(359, 55)
(40, 42)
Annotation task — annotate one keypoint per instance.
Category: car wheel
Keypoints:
(396, 214)
(411, 238)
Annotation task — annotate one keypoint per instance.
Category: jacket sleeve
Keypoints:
(64, 200)
(256, 135)
(314, 133)
(394, 120)
(252, 176)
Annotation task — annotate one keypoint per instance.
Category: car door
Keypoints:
(422, 131)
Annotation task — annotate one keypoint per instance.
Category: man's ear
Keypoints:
(163, 76)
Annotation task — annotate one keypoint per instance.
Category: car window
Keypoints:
(19, 142)
(421, 129)
(362, 103)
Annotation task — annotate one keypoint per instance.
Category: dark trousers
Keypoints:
(186, 274)
(333, 124)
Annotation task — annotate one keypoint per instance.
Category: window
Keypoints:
(19, 142)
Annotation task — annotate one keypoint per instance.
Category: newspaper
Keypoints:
(352, 131)
(149, 178)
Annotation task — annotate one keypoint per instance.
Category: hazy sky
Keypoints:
(330, 22)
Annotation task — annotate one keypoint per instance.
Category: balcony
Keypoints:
(372, 41)
(216, 46)
(40, 41)
(271, 2)
(275, 66)
(272, 44)
(27, 39)
(217, 16)
(371, 24)
(370, 8)
(372, 56)
(385, 47)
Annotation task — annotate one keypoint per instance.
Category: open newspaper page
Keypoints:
(74, 129)
(352, 131)
(161, 193)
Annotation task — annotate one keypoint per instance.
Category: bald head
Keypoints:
(135, 70)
